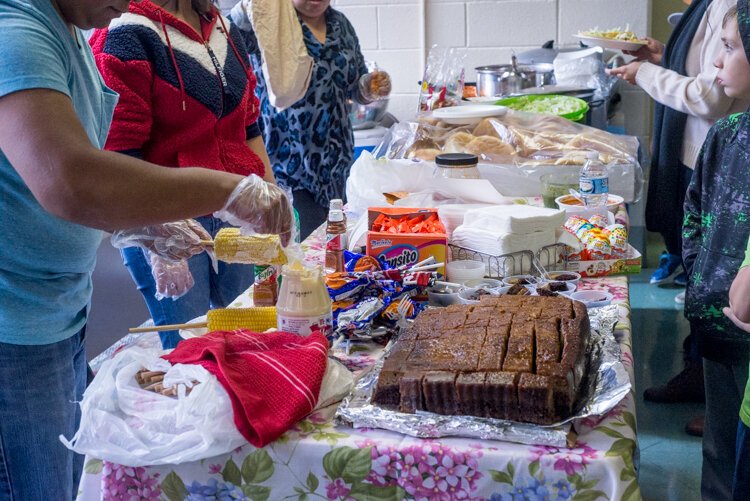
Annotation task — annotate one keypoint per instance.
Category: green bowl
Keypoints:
(575, 109)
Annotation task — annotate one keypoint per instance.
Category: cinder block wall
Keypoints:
(397, 33)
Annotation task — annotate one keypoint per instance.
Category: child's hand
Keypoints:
(736, 321)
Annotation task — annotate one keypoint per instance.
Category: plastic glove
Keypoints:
(375, 85)
(176, 240)
(173, 278)
(258, 207)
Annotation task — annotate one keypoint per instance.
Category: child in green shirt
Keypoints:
(738, 312)
(715, 234)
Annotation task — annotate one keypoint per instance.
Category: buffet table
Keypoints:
(318, 459)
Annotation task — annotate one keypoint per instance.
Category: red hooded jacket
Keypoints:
(186, 99)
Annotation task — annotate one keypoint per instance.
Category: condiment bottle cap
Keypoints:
(456, 159)
(336, 204)
(336, 216)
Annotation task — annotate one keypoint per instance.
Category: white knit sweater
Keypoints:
(697, 94)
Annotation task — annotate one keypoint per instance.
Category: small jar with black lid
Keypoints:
(457, 166)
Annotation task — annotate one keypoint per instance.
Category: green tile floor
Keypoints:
(670, 459)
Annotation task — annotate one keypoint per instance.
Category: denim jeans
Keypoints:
(211, 290)
(40, 386)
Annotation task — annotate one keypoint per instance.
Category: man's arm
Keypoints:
(45, 142)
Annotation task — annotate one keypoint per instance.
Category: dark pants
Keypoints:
(725, 388)
(311, 214)
(741, 480)
(673, 236)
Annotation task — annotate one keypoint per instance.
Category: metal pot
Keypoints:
(367, 116)
(490, 80)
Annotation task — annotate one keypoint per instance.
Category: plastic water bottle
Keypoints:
(593, 183)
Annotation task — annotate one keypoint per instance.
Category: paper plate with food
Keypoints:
(469, 114)
(614, 38)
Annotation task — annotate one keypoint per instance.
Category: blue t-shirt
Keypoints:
(45, 262)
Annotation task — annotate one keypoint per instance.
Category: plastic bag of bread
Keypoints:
(489, 147)
(516, 137)
(457, 142)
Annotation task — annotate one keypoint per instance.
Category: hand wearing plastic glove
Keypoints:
(375, 85)
(173, 278)
(176, 240)
(258, 207)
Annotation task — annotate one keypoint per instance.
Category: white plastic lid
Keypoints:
(336, 216)
(336, 204)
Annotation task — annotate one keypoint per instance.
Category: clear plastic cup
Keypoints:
(556, 184)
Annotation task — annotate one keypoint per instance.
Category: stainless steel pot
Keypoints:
(490, 80)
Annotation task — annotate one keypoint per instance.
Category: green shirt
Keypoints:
(745, 409)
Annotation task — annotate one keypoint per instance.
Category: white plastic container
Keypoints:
(462, 270)
(592, 299)
(304, 305)
(573, 207)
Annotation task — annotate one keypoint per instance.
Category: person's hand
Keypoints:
(736, 321)
(176, 240)
(626, 72)
(256, 206)
(173, 278)
(651, 52)
(375, 85)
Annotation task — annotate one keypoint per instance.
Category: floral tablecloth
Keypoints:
(318, 459)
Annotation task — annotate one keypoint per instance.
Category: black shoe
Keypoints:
(687, 386)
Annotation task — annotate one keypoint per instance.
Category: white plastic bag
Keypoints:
(370, 178)
(125, 424)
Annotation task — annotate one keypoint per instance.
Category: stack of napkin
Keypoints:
(504, 229)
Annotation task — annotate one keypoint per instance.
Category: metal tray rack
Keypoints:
(516, 263)
(553, 257)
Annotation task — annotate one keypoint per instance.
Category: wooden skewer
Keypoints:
(207, 243)
(170, 327)
(437, 282)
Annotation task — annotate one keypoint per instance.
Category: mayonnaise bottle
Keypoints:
(304, 305)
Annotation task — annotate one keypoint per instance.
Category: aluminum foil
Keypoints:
(607, 384)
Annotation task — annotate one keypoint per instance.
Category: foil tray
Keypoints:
(607, 383)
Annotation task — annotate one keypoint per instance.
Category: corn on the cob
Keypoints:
(232, 247)
(257, 319)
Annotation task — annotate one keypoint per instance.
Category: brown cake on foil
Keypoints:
(520, 358)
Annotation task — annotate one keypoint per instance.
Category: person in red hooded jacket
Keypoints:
(187, 97)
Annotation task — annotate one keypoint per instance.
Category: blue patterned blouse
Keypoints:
(311, 144)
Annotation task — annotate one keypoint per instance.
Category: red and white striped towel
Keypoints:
(273, 379)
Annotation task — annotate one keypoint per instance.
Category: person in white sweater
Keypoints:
(681, 78)
(696, 94)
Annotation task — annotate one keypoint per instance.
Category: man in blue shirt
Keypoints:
(58, 190)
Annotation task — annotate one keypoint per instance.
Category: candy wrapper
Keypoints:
(360, 262)
(599, 220)
(607, 384)
(618, 239)
(420, 223)
(366, 296)
(597, 242)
